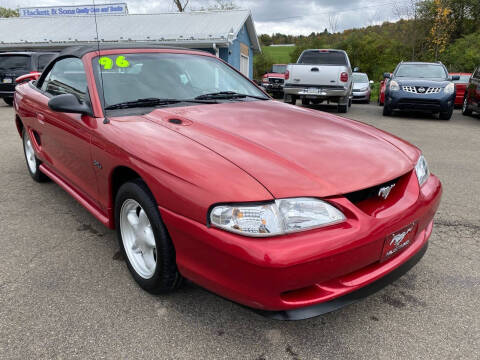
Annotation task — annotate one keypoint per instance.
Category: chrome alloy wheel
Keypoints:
(30, 153)
(138, 238)
(465, 105)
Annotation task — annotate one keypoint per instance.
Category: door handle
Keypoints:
(314, 69)
(41, 118)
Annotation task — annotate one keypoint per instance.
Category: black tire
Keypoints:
(342, 109)
(166, 276)
(8, 101)
(447, 115)
(290, 99)
(305, 102)
(387, 111)
(465, 108)
(350, 101)
(34, 171)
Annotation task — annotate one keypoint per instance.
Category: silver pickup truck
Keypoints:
(320, 75)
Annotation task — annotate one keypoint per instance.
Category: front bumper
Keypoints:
(332, 305)
(401, 100)
(273, 87)
(303, 269)
(361, 95)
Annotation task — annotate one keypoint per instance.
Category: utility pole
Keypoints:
(181, 7)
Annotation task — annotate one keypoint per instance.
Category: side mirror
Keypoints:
(28, 77)
(371, 81)
(69, 103)
(387, 75)
(455, 77)
(356, 69)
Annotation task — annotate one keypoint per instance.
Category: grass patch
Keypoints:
(279, 54)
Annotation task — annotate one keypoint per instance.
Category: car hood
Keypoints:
(294, 151)
(422, 82)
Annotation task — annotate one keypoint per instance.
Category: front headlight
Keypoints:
(280, 217)
(422, 170)
(394, 86)
(364, 89)
(450, 88)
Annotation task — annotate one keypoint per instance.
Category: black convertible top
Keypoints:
(80, 51)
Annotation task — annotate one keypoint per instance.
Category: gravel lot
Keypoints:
(65, 293)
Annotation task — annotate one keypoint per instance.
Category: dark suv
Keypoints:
(420, 86)
(471, 100)
(15, 64)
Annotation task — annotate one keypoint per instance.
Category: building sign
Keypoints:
(80, 10)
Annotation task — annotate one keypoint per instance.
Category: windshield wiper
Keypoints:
(227, 95)
(151, 102)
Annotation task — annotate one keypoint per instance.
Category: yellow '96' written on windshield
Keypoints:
(107, 62)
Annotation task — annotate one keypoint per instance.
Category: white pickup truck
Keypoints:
(320, 75)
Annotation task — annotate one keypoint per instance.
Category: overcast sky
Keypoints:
(285, 16)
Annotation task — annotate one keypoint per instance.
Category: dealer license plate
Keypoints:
(313, 91)
(399, 241)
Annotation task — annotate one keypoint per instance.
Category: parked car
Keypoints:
(460, 87)
(471, 99)
(381, 91)
(273, 81)
(15, 64)
(205, 177)
(320, 75)
(420, 86)
(361, 87)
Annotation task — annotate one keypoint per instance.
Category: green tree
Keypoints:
(464, 54)
(5, 12)
(261, 64)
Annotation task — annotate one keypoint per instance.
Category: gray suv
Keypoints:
(15, 64)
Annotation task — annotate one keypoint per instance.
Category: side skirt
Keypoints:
(104, 219)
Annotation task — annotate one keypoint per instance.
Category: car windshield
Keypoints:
(464, 79)
(130, 77)
(427, 71)
(14, 62)
(323, 57)
(279, 69)
(360, 78)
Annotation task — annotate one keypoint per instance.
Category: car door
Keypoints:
(66, 138)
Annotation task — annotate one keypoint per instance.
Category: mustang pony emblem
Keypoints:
(397, 239)
(385, 191)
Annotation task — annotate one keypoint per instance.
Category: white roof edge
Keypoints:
(241, 17)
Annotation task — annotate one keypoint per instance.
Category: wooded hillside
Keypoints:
(437, 30)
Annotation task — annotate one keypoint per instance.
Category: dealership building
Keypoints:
(230, 35)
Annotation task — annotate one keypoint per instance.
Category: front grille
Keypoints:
(357, 90)
(369, 193)
(275, 81)
(421, 89)
(427, 104)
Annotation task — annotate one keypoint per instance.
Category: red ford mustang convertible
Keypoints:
(287, 210)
